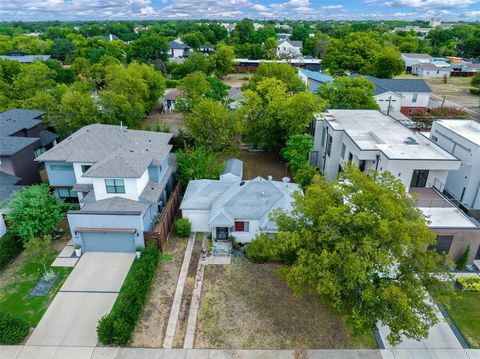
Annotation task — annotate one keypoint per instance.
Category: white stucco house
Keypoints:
(236, 208)
(289, 48)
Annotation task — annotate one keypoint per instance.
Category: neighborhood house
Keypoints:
(121, 178)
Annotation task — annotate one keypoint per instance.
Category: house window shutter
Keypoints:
(239, 226)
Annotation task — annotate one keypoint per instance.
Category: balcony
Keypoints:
(429, 198)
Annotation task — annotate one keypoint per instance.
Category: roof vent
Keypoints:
(270, 178)
(286, 180)
(411, 141)
(131, 151)
(242, 183)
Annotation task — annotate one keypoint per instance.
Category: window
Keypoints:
(443, 244)
(115, 185)
(85, 168)
(323, 136)
(61, 167)
(39, 151)
(434, 138)
(419, 178)
(63, 193)
(241, 227)
(414, 98)
(350, 157)
(329, 144)
(342, 154)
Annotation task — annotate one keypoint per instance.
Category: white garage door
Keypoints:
(108, 242)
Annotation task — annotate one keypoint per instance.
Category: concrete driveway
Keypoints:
(87, 294)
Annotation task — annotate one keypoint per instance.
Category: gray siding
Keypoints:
(60, 178)
(77, 219)
(149, 218)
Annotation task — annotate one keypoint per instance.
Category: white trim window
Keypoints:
(241, 226)
(115, 185)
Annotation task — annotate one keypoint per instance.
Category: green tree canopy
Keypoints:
(222, 60)
(33, 212)
(349, 93)
(360, 245)
(213, 125)
(148, 48)
(197, 163)
(296, 150)
(283, 72)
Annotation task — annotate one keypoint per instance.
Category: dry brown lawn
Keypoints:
(174, 120)
(248, 306)
(152, 324)
(262, 164)
(236, 80)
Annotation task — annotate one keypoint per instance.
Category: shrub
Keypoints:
(169, 83)
(470, 283)
(183, 227)
(117, 326)
(13, 330)
(260, 250)
(463, 260)
(10, 247)
(235, 243)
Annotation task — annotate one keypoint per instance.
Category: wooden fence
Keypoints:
(165, 221)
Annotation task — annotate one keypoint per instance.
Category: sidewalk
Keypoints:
(32, 352)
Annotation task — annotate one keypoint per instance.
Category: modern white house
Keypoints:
(411, 59)
(239, 208)
(121, 178)
(373, 141)
(289, 48)
(400, 95)
(461, 138)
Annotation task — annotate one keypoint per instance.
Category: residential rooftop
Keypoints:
(8, 185)
(317, 76)
(468, 129)
(372, 130)
(114, 151)
(233, 166)
(25, 59)
(450, 217)
(15, 120)
(417, 55)
(397, 85)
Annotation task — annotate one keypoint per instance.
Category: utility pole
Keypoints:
(443, 102)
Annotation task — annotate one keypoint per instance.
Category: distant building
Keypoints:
(169, 100)
(206, 49)
(178, 50)
(435, 21)
(289, 48)
(411, 59)
(430, 69)
(313, 79)
(303, 62)
(24, 58)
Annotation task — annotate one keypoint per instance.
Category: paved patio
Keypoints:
(87, 294)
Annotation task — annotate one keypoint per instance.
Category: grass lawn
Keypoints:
(14, 298)
(465, 312)
(248, 306)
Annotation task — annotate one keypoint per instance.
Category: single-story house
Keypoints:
(168, 102)
(411, 59)
(430, 69)
(239, 208)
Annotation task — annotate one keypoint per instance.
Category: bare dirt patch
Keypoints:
(455, 90)
(152, 324)
(248, 306)
(236, 80)
(174, 120)
(262, 164)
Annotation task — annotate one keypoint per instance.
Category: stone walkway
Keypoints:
(177, 299)
(20, 352)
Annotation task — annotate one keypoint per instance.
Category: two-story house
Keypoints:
(461, 138)
(121, 178)
(289, 48)
(178, 50)
(400, 95)
(23, 138)
(373, 141)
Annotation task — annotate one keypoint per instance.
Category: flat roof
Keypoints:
(468, 129)
(447, 218)
(372, 130)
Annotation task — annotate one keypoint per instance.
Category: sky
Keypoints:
(30, 10)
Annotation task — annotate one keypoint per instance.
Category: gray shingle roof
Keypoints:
(177, 45)
(9, 145)
(15, 120)
(115, 151)
(8, 185)
(233, 166)
(295, 43)
(416, 55)
(115, 204)
(47, 137)
(397, 85)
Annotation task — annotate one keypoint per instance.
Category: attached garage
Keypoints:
(102, 241)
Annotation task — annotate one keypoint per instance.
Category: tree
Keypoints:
(360, 244)
(296, 150)
(33, 212)
(213, 125)
(32, 78)
(222, 60)
(38, 250)
(62, 48)
(148, 48)
(197, 163)
(197, 86)
(463, 260)
(244, 31)
(304, 175)
(300, 32)
(283, 72)
(193, 63)
(388, 64)
(349, 93)
(315, 46)
(475, 84)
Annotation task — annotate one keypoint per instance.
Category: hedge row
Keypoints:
(470, 283)
(117, 326)
(13, 330)
(10, 247)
